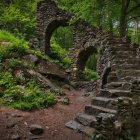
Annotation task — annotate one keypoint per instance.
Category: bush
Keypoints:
(6, 80)
(91, 75)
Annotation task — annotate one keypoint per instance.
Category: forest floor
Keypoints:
(52, 119)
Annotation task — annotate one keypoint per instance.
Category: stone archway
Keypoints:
(86, 40)
(49, 18)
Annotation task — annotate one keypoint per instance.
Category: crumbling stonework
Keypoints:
(115, 109)
(86, 41)
(49, 18)
(86, 38)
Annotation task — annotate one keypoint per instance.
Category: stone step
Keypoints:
(119, 85)
(123, 73)
(123, 56)
(126, 52)
(112, 93)
(123, 48)
(119, 61)
(85, 130)
(104, 102)
(126, 66)
(85, 119)
(129, 78)
(124, 78)
(112, 78)
(95, 110)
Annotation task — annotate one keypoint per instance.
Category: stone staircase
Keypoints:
(125, 66)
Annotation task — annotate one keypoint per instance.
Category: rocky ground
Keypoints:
(43, 124)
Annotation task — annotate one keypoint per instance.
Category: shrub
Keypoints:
(91, 75)
(6, 80)
(66, 61)
(27, 98)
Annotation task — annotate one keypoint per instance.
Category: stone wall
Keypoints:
(49, 18)
(86, 41)
(86, 38)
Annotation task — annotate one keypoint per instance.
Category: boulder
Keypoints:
(51, 69)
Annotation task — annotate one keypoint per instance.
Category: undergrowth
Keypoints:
(10, 44)
(26, 97)
(91, 75)
(14, 93)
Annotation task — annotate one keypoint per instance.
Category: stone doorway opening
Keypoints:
(90, 70)
(60, 42)
(86, 64)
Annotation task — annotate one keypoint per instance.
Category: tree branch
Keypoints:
(134, 8)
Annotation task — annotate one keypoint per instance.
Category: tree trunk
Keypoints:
(123, 17)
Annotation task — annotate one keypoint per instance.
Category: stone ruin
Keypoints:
(86, 39)
(115, 108)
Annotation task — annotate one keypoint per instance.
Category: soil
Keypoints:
(52, 120)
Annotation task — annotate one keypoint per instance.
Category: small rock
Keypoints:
(47, 127)
(65, 101)
(16, 115)
(31, 58)
(36, 129)
(15, 137)
(11, 125)
(72, 125)
(86, 94)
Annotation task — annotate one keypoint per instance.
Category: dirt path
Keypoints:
(52, 120)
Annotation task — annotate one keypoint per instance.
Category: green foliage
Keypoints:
(27, 98)
(19, 17)
(57, 91)
(97, 136)
(6, 80)
(90, 74)
(14, 63)
(58, 53)
(39, 54)
(12, 44)
(92, 62)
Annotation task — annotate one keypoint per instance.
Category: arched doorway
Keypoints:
(60, 43)
(80, 60)
(50, 30)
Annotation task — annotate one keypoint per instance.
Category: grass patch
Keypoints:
(9, 44)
